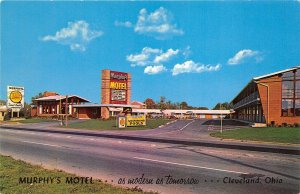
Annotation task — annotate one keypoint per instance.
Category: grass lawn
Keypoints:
(11, 170)
(35, 120)
(268, 134)
(111, 124)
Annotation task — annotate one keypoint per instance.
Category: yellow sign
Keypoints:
(132, 121)
(118, 85)
(15, 96)
(122, 122)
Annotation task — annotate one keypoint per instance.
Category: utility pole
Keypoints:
(221, 118)
(66, 110)
(59, 112)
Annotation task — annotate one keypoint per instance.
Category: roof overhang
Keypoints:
(59, 97)
(104, 105)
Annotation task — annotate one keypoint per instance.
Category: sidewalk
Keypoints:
(212, 142)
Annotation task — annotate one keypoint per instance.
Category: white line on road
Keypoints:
(189, 165)
(186, 125)
(41, 144)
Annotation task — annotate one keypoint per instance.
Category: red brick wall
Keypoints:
(88, 113)
(33, 111)
(275, 84)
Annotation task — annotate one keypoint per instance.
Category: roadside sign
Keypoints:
(15, 97)
(133, 121)
(121, 122)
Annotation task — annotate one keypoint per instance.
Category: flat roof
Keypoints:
(169, 111)
(103, 105)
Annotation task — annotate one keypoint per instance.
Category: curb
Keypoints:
(239, 146)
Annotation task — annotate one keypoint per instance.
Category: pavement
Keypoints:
(215, 170)
(184, 132)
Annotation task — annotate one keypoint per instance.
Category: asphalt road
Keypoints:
(181, 129)
(112, 159)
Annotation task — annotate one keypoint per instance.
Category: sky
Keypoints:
(199, 52)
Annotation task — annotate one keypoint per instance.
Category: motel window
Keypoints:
(291, 93)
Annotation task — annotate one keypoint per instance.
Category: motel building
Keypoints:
(198, 114)
(115, 99)
(271, 99)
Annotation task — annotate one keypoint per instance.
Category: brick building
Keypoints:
(53, 104)
(272, 99)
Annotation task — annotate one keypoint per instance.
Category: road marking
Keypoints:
(41, 144)
(186, 125)
(69, 136)
(189, 165)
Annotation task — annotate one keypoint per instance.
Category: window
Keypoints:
(297, 107)
(291, 93)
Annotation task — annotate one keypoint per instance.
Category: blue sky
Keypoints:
(198, 52)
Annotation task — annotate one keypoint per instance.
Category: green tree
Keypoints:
(39, 95)
(25, 111)
(150, 103)
(184, 105)
(223, 106)
(162, 103)
(2, 102)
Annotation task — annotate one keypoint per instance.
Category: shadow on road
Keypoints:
(232, 161)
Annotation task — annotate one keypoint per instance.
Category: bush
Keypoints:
(284, 124)
(296, 124)
(7, 116)
(272, 123)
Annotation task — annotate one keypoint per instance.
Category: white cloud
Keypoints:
(158, 24)
(244, 55)
(77, 35)
(192, 67)
(151, 56)
(166, 56)
(151, 70)
(124, 24)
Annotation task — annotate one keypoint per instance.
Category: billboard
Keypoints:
(15, 97)
(118, 87)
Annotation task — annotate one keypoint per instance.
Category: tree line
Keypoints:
(163, 104)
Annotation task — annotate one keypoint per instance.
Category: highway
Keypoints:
(110, 160)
